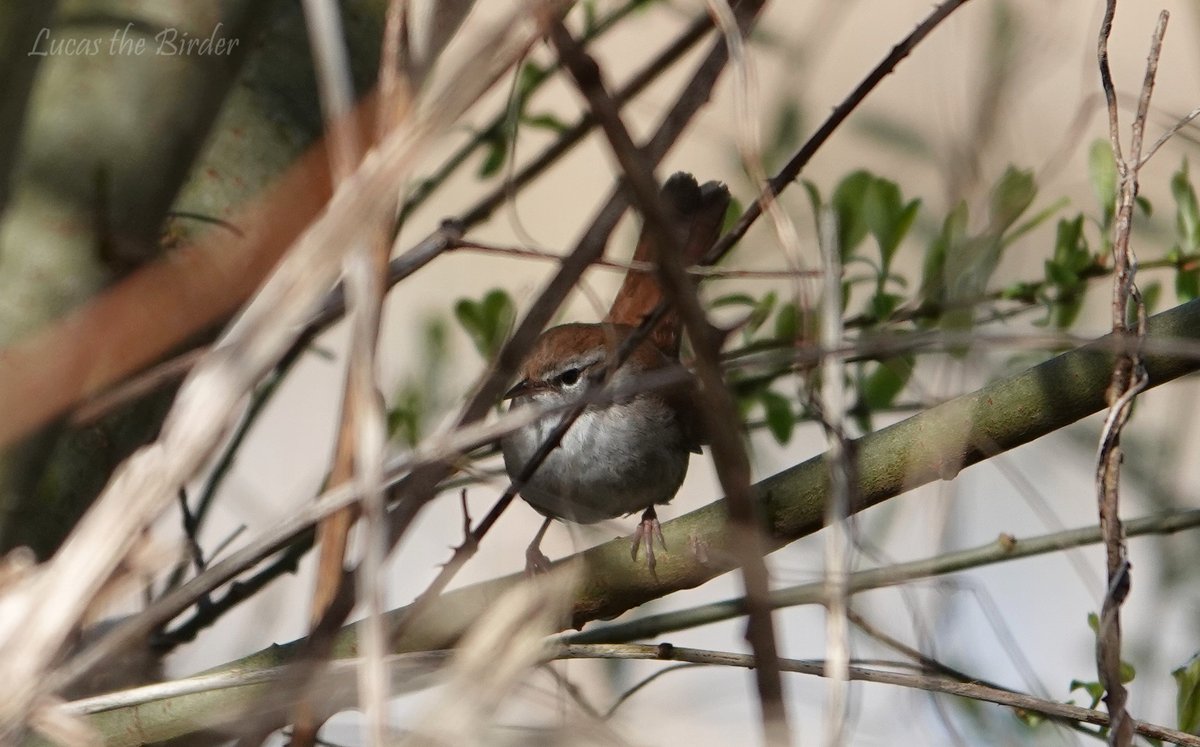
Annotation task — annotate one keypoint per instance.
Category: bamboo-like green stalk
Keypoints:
(1002, 549)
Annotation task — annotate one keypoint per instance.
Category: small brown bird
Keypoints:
(630, 454)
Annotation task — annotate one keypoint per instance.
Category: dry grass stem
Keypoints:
(832, 407)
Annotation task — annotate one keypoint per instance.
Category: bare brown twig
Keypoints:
(931, 683)
(1128, 378)
(611, 264)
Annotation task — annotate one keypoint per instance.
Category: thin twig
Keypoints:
(484, 135)
(638, 83)
(938, 684)
(137, 386)
(630, 692)
(258, 403)
(748, 116)
(1171, 131)
(238, 592)
(1128, 378)
(706, 273)
(930, 664)
(839, 114)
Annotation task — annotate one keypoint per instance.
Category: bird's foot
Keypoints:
(647, 530)
(536, 563)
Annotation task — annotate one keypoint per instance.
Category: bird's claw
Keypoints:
(647, 530)
(536, 563)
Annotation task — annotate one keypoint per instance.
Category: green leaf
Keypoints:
(785, 136)
(885, 383)
(780, 420)
(1020, 291)
(1011, 197)
(546, 121)
(470, 317)
(1187, 285)
(1187, 212)
(883, 304)
(529, 78)
(589, 17)
(814, 199)
(951, 238)
(1151, 294)
(1071, 249)
(733, 212)
(760, 313)
(1060, 276)
(1144, 205)
(787, 322)
(847, 202)
(1127, 673)
(1187, 696)
(733, 299)
(500, 313)
(495, 152)
(1094, 690)
(404, 419)
(1071, 258)
(487, 322)
(1102, 171)
(1065, 309)
(887, 217)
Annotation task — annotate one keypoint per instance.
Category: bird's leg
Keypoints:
(648, 528)
(535, 562)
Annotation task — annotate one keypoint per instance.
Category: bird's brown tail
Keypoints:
(696, 213)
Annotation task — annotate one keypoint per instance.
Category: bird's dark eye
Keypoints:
(570, 377)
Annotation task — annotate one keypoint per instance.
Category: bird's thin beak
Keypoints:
(521, 387)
